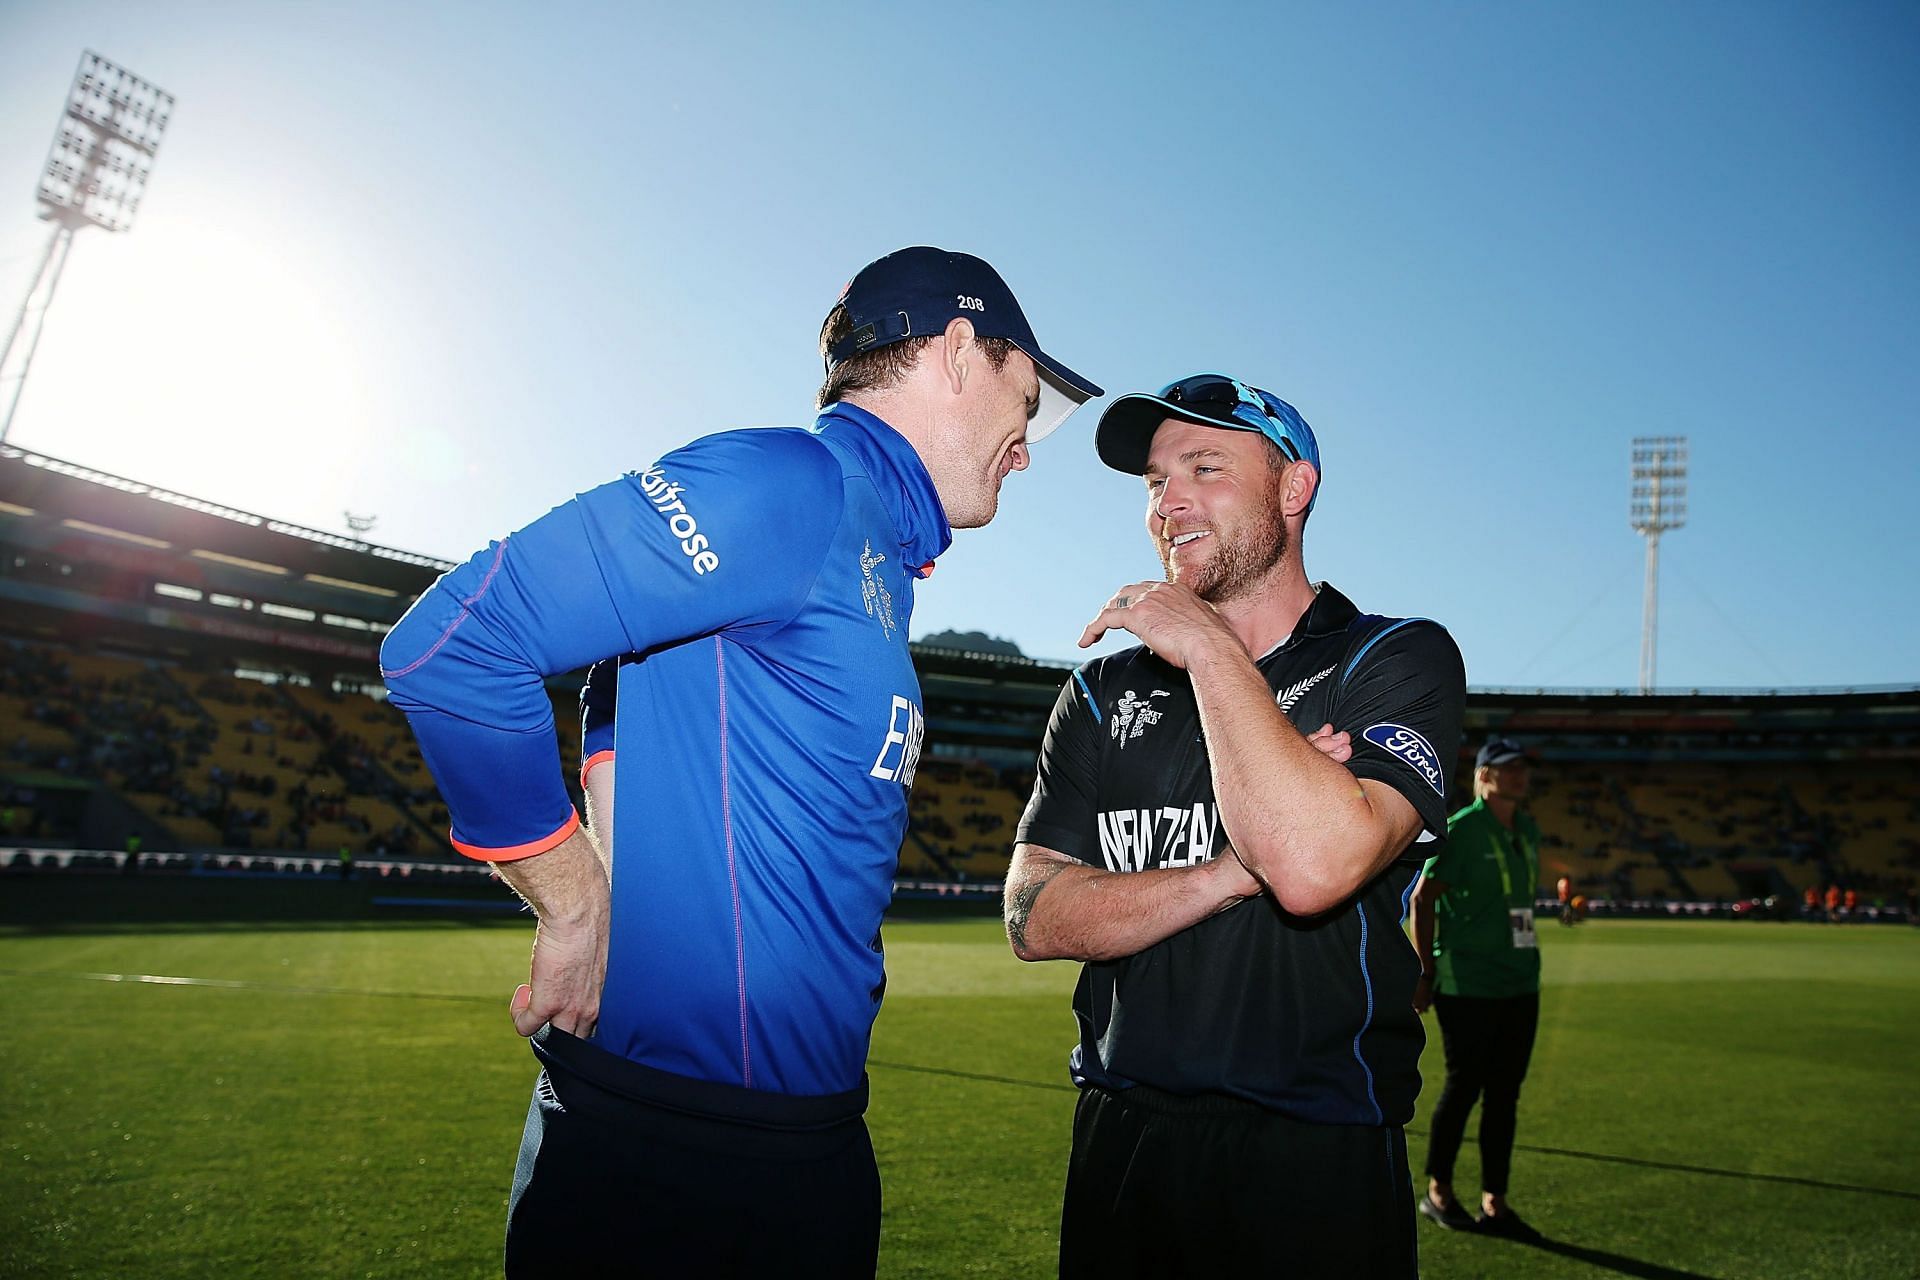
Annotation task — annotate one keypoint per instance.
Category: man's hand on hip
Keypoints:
(567, 888)
(568, 971)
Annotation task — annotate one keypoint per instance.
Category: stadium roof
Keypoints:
(34, 483)
(102, 503)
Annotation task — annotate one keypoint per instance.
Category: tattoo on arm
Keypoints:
(1020, 901)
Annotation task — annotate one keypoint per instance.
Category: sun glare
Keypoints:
(197, 353)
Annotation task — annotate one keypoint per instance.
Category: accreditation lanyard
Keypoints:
(1520, 919)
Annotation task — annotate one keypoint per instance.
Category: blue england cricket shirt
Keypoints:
(753, 590)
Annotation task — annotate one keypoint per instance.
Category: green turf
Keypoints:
(1707, 1099)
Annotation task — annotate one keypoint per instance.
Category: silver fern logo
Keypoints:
(1294, 692)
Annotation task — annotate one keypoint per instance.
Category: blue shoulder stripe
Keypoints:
(1093, 706)
(1381, 635)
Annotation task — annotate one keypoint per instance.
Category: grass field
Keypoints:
(1707, 1099)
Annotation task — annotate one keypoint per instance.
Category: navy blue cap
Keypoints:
(1125, 434)
(917, 292)
(1498, 751)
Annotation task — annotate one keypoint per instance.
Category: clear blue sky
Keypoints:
(450, 264)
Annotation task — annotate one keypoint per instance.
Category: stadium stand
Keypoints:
(1713, 795)
(196, 678)
(962, 820)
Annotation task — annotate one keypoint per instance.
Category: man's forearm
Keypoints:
(1060, 909)
(565, 886)
(597, 789)
(1303, 824)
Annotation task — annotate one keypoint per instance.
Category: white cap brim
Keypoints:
(1058, 399)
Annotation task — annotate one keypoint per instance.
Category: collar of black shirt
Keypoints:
(1329, 614)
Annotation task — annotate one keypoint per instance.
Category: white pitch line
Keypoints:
(232, 984)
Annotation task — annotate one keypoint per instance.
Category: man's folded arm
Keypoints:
(1059, 908)
(1310, 829)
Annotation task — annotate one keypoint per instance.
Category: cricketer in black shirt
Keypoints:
(1248, 1047)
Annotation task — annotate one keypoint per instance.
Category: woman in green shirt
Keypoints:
(1473, 927)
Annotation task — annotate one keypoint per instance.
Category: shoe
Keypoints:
(1455, 1218)
(1509, 1225)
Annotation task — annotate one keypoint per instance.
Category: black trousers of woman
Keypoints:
(1488, 1043)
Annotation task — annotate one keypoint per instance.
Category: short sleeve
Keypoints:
(1061, 813)
(1402, 697)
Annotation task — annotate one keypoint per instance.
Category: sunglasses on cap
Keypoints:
(1125, 434)
(1215, 395)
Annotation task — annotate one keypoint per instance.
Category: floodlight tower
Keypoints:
(1659, 504)
(96, 172)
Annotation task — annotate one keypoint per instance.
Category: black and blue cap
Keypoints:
(1125, 434)
(1498, 751)
(917, 292)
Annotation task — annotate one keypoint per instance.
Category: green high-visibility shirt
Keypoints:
(1483, 939)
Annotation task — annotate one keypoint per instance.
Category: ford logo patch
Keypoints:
(1412, 749)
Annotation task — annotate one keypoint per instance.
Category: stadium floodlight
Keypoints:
(96, 173)
(1659, 504)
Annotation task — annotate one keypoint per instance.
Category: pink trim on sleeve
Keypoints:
(513, 853)
(597, 758)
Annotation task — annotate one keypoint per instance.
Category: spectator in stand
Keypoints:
(1473, 928)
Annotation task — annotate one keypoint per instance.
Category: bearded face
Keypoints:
(1214, 509)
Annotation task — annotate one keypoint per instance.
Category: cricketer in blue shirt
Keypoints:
(744, 603)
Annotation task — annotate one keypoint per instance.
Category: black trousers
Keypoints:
(1488, 1043)
(1161, 1187)
(613, 1185)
